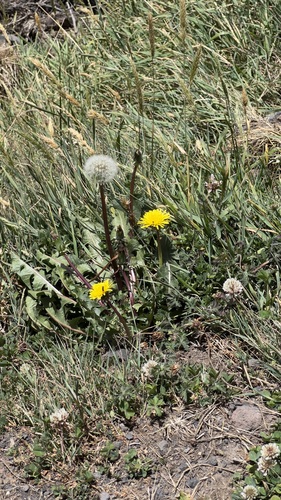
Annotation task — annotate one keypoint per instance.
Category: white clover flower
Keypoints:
(102, 167)
(148, 367)
(59, 417)
(270, 451)
(264, 465)
(249, 492)
(232, 287)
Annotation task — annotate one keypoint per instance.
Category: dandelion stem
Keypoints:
(121, 319)
(137, 162)
(108, 240)
(160, 254)
(78, 274)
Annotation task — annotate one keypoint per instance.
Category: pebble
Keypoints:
(183, 466)
(123, 427)
(163, 446)
(117, 444)
(191, 483)
(246, 417)
(129, 436)
(212, 460)
(104, 496)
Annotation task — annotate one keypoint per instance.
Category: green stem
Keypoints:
(137, 161)
(108, 240)
(160, 255)
(121, 319)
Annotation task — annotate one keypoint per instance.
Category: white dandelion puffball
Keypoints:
(102, 167)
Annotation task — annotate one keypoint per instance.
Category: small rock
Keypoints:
(25, 487)
(183, 466)
(117, 444)
(191, 483)
(212, 460)
(129, 436)
(163, 446)
(246, 417)
(253, 363)
(104, 496)
(123, 427)
(97, 475)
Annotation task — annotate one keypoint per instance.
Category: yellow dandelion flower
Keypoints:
(155, 218)
(98, 290)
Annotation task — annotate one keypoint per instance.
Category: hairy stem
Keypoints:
(108, 240)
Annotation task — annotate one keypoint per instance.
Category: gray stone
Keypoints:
(117, 444)
(246, 417)
(104, 496)
(163, 446)
(123, 427)
(129, 436)
(183, 466)
(191, 483)
(212, 460)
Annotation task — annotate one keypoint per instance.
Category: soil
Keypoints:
(196, 449)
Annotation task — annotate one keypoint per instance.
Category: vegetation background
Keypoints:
(173, 89)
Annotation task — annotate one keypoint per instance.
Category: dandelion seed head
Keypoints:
(101, 167)
(155, 218)
(232, 287)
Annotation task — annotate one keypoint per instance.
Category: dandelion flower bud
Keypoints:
(102, 167)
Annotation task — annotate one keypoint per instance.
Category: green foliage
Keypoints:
(268, 484)
(137, 467)
(109, 452)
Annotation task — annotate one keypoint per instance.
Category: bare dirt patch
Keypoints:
(196, 451)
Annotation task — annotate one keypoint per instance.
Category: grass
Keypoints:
(172, 81)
